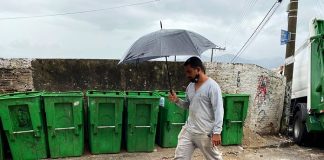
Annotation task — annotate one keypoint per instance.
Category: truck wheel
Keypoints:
(300, 131)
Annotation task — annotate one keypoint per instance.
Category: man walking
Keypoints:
(204, 125)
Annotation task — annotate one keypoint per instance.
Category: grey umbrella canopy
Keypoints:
(164, 43)
(167, 42)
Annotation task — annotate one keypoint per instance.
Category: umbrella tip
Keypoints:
(161, 24)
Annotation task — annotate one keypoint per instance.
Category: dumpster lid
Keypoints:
(141, 94)
(236, 95)
(20, 95)
(96, 93)
(165, 93)
(65, 94)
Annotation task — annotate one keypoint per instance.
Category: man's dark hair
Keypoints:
(195, 62)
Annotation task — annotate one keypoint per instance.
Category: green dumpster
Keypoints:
(141, 120)
(64, 118)
(235, 111)
(23, 124)
(171, 120)
(105, 109)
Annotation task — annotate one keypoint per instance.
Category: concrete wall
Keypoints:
(81, 74)
(265, 87)
(266, 90)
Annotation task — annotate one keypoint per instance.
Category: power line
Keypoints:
(78, 12)
(257, 30)
(249, 5)
(246, 8)
(251, 37)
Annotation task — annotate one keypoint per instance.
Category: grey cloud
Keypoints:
(108, 34)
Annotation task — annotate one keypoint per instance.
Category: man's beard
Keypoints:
(195, 79)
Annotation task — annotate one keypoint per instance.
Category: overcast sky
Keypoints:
(108, 34)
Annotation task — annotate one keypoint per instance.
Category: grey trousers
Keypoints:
(188, 142)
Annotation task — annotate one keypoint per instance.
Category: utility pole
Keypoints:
(290, 47)
(212, 54)
(289, 66)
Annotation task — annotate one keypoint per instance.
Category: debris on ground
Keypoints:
(252, 139)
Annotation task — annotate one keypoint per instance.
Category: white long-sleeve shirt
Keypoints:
(205, 108)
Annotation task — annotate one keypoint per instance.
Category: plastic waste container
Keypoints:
(23, 125)
(64, 119)
(141, 119)
(105, 109)
(171, 120)
(235, 111)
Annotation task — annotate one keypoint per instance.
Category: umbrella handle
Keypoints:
(169, 78)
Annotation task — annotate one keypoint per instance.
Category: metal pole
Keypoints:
(212, 55)
(217, 48)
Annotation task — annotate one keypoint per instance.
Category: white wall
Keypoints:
(266, 89)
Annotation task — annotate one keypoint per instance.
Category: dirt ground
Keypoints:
(254, 147)
(251, 139)
(293, 152)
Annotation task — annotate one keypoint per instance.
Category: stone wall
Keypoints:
(16, 75)
(266, 89)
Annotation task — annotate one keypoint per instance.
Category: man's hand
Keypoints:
(173, 97)
(216, 139)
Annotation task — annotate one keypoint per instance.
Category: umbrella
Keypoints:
(164, 43)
